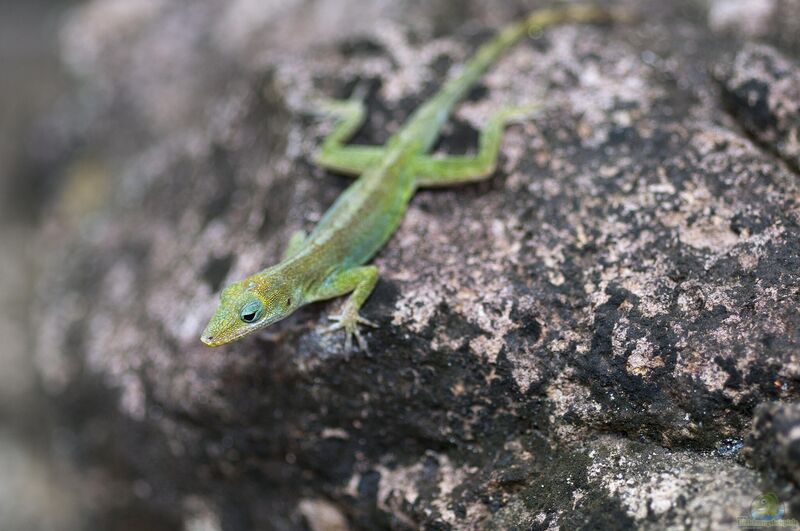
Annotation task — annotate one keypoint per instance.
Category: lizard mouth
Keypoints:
(209, 340)
(212, 339)
(221, 339)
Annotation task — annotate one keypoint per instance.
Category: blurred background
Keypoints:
(52, 473)
(38, 489)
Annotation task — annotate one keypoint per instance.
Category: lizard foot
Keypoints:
(519, 113)
(349, 321)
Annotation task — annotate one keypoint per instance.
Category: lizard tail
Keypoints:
(538, 20)
(426, 122)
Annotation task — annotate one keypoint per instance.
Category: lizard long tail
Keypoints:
(538, 20)
(436, 110)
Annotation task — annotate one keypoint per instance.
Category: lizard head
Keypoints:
(248, 306)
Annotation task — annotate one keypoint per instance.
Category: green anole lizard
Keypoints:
(330, 261)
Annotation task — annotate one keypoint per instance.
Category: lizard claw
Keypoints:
(349, 321)
(367, 322)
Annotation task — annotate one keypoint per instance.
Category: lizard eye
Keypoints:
(252, 311)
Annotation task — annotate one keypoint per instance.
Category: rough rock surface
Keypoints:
(774, 21)
(774, 444)
(581, 341)
(762, 88)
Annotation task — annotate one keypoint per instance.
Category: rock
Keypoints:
(762, 89)
(774, 445)
(580, 341)
(773, 20)
(32, 493)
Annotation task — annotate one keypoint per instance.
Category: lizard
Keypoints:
(333, 259)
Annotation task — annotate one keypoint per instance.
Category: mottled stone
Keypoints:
(776, 21)
(773, 445)
(761, 87)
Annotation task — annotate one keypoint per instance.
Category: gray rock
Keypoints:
(774, 445)
(579, 342)
(775, 21)
(762, 89)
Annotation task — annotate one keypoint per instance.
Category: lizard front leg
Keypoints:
(359, 282)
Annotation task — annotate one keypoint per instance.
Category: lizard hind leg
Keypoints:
(334, 154)
(349, 160)
(446, 171)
